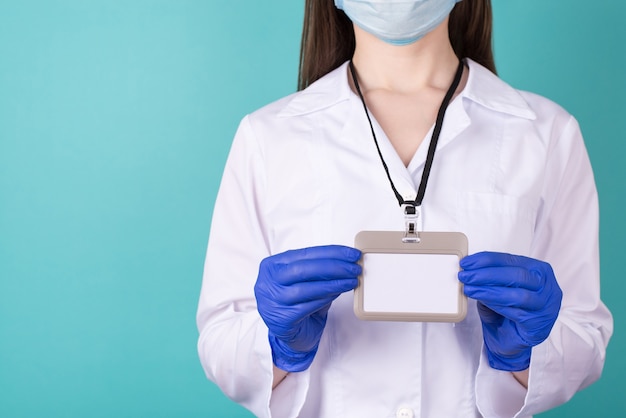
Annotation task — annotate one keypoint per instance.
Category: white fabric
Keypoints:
(511, 172)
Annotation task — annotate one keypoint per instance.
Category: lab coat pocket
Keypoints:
(497, 222)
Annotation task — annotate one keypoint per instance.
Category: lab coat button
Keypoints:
(404, 413)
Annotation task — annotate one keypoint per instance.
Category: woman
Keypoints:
(509, 170)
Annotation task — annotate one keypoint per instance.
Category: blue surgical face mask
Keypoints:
(398, 22)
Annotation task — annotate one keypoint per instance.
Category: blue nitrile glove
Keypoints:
(294, 291)
(518, 303)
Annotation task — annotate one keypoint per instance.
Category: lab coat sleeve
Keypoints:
(233, 344)
(566, 236)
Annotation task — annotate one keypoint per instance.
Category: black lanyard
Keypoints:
(411, 206)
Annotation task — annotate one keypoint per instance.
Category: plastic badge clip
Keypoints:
(411, 213)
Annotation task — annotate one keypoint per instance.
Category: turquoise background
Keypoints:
(115, 121)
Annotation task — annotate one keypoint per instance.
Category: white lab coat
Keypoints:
(511, 172)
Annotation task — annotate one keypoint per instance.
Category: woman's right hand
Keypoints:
(294, 291)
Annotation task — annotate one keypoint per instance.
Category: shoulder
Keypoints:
(288, 124)
(328, 91)
(527, 112)
(543, 107)
(493, 93)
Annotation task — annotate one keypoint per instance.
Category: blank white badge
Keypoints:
(414, 281)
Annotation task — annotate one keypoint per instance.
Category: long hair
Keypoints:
(328, 37)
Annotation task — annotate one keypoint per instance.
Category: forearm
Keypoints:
(235, 356)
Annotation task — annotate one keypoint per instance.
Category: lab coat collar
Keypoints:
(488, 90)
(483, 87)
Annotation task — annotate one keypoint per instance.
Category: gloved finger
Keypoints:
(314, 270)
(334, 252)
(313, 307)
(517, 315)
(285, 320)
(510, 276)
(494, 259)
(495, 296)
(532, 327)
(488, 315)
(299, 293)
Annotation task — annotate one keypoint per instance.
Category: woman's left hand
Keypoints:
(518, 302)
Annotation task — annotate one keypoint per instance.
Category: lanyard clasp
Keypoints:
(411, 214)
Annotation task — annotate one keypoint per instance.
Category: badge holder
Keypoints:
(410, 275)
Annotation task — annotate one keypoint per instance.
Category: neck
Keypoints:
(429, 62)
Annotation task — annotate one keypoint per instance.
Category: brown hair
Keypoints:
(328, 37)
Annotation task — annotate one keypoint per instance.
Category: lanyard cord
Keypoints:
(433, 141)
